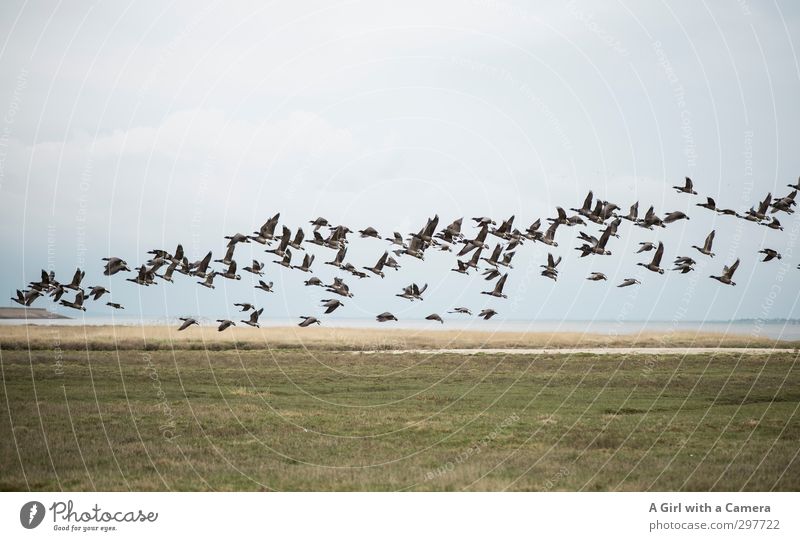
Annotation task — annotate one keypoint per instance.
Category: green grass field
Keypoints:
(294, 420)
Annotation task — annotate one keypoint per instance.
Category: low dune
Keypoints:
(34, 337)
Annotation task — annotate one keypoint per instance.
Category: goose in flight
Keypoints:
(392, 263)
(26, 298)
(549, 236)
(224, 324)
(167, 276)
(236, 238)
(487, 313)
(761, 214)
(506, 261)
(706, 249)
(769, 254)
(95, 292)
(230, 273)
(498, 288)
(504, 231)
(654, 264)
(297, 242)
(75, 284)
(280, 250)
(267, 231)
(385, 316)
(397, 239)
(586, 209)
(461, 310)
(187, 322)
(319, 222)
(114, 265)
(710, 204)
(317, 239)
(286, 260)
(684, 264)
(597, 276)
(245, 306)
(785, 203)
(774, 224)
(200, 268)
(435, 317)
(115, 305)
(633, 214)
(650, 220)
(253, 321)
(478, 242)
(674, 217)
(308, 320)
(688, 187)
(228, 255)
(143, 278)
(532, 232)
(369, 232)
(209, 281)
(493, 259)
(308, 259)
(263, 286)
(728, 212)
(490, 274)
(378, 267)
(256, 267)
(629, 282)
(412, 292)
(461, 267)
(349, 267)
(313, 281)
(645, 247)
(339, 287)
(483, 221)
(339, 259)
(727, 274)
(331, 304)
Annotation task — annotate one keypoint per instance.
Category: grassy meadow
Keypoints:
(295, 419)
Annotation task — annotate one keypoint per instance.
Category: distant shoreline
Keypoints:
(11, 312)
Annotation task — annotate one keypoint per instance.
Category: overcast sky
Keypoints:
(127, 127)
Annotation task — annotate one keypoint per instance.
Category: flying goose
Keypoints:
(317, 238)
(115, 305)
(674, 217)
(187, 322)
(774, 224)
(728, 212)
(200, 268)
(308, 320)
(224, 324)
(114, 265)
(549, 236)
(769, 254)
(385, 316)
(629, 282)
(237, 237)
(654, 264)
(460, 310)
(597, 276)
(727, 274)
(586, 209)
(706, 249)
(339, 287)
(785, 203)
(378, 267)
(710, 204)
(257, 267)
(280, 250)
(684, 264)
(506, 261)
(308, 259)
(392, 263)
(230, 273)
(492, 260)
(645, 247)
(687, 187)
(490, 274)
(498, 288)
(504, 231)
(397, 239)
(76, 304)
(487, 313)
(461, 267)
(245, 306)
(435, 317)
(369, 232)
(650, 220)
(209, 281)
(478, 242)
(286, 259)
(761, 214)
(75, 284)
(253, 321)
(331, 304)
(143, 278)
(412, 292)
(532, 232)
(319, 222)
(349, 267)
(483, 221)
(96, 292)
(26, 298)
(633, 214)
(339, 259)
(297, 242)
(167, 276)
(228, 255)
(262, 285)
(313, 281)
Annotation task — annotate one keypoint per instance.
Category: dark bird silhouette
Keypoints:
(385, 316)
(706, 248)
(654, 265)
(687, 187)
(727, 274)
(224, 324)
(253, 321)
(187, 322)
(308, 320)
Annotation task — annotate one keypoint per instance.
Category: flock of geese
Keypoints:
(166, 266)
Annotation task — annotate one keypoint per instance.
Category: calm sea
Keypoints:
(778, 330)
